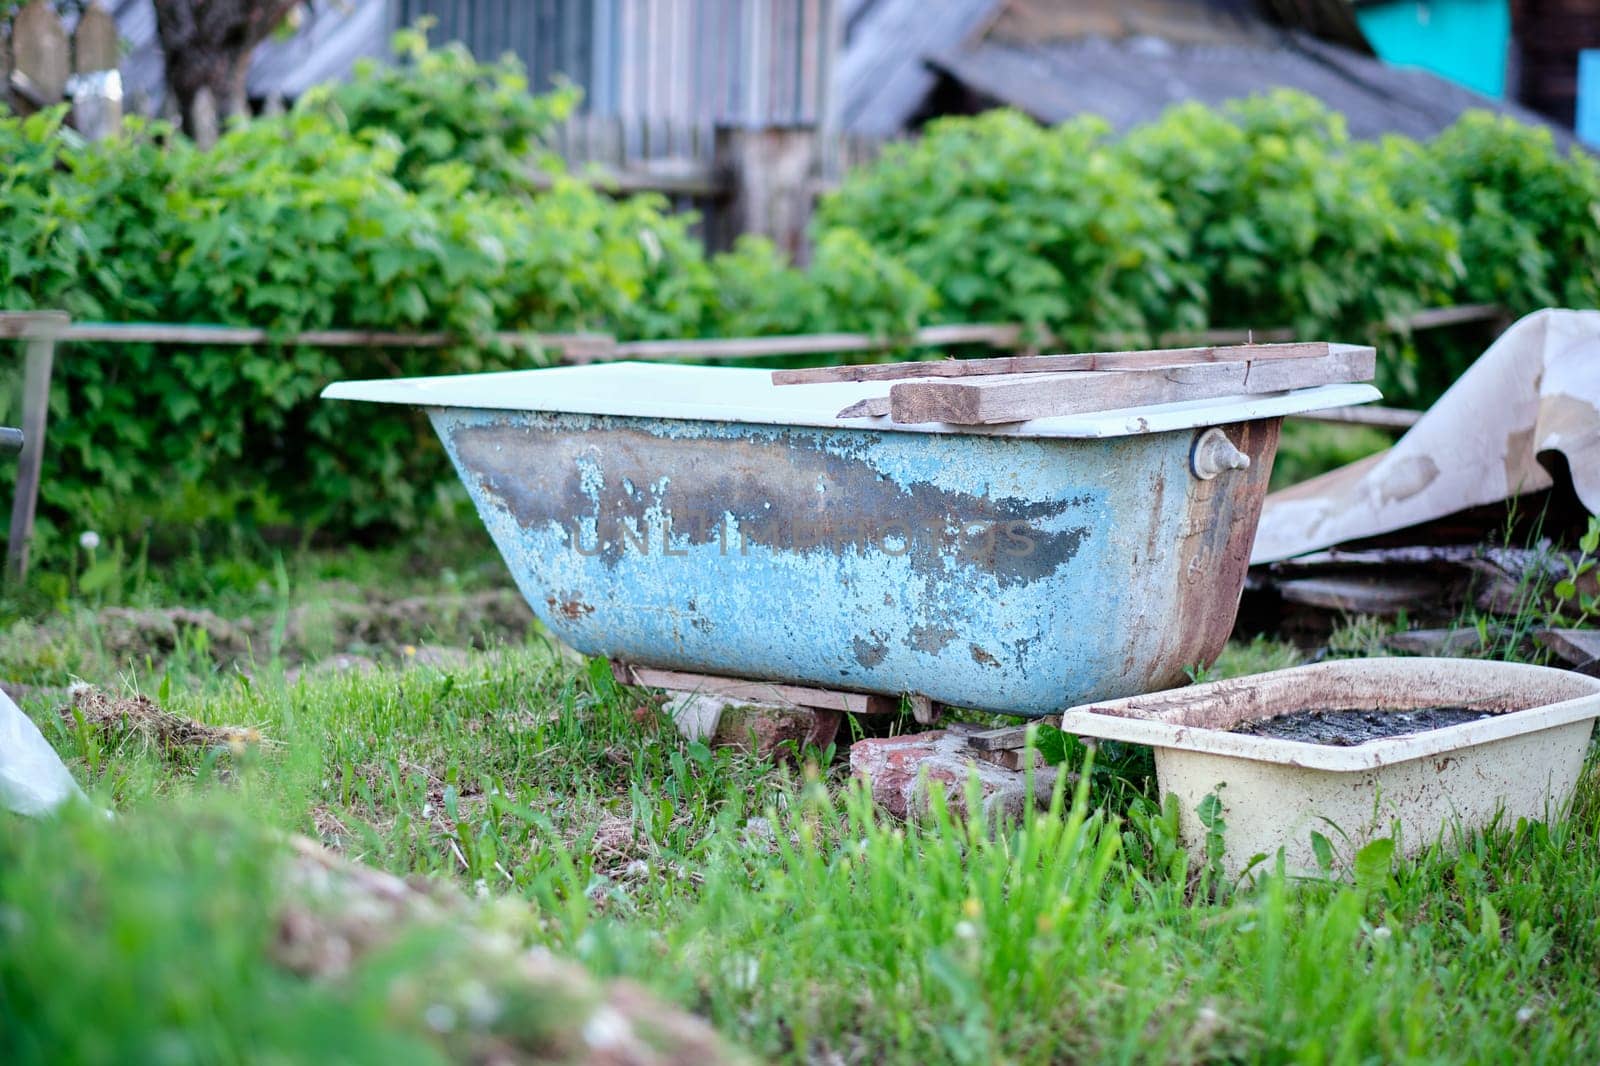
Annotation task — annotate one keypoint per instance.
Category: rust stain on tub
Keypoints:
(1221, 520)
(570, 609)
(930, 638)
(1160, 494)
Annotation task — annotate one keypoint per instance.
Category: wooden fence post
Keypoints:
(40, 51)
(39, 331)
(767, 172)
(96, 87)
(96, 44)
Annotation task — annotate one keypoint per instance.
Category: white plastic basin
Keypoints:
(1524, 762)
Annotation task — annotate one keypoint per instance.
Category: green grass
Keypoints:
(235, 573)
(768, 898)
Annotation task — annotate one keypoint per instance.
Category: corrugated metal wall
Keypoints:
(759, 62)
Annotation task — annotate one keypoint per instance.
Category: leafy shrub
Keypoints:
(1528, 220)
(290, 224)
(1529, 216)
(1262, 213)
(1289, 222)
(442, 106)
(1011, 221)
(850, 286)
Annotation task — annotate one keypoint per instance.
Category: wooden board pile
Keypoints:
(1574, 649)
(1016, 388)
(1431, 585)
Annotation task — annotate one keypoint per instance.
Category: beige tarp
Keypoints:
(1536, 389)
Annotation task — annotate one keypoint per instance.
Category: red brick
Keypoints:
(901, 771)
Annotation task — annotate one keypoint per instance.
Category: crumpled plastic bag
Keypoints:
(33, 779)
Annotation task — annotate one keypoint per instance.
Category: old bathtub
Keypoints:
(702, 519)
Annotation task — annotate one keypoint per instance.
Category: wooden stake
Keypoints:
(35, 412)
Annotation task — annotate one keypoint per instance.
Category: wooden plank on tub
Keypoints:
(1043, 364)
(739, 689)
(1341, 363)
(995, 399)
(1019, 397)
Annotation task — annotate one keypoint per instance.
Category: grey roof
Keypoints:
(1133, 80)
(882, 77)
(333, 34)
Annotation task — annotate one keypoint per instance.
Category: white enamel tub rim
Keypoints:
(745, 394)
(1480, 683)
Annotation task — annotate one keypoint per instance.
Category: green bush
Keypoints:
(1011, 221)
(290, 224)
(1528, 225)
(850, 286)
(1529, 216)
(1289, 222)
(441, 106)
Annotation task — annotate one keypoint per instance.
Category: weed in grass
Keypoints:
(1363, 636)
(1576, 601)
(1557, 589)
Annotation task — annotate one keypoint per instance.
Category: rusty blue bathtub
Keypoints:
(702, 519)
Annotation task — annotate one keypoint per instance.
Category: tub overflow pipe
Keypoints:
(1214, 453)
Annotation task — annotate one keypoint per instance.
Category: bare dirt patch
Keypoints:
(433, 630)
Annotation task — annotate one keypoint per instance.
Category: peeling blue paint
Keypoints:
(1035, 574)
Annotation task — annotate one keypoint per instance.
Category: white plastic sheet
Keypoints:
(1537, 389)
(33, 780)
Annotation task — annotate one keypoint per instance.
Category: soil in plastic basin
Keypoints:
(1347, 728)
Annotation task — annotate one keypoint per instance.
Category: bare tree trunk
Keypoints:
(208, 44)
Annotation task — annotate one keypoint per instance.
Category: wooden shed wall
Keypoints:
(757, 62)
